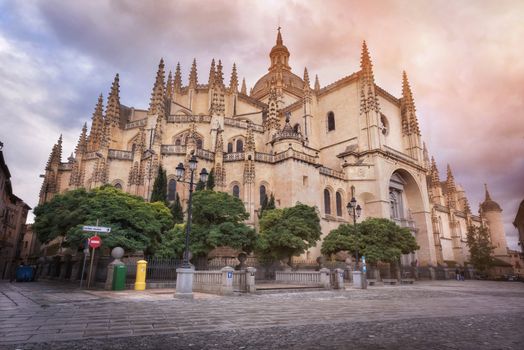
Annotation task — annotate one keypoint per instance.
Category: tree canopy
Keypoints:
(377, 239)
(288, 231)
(176, 210)
(267, 204)
(218, 220)
(135, 224)
(480, 247)
(210, 184)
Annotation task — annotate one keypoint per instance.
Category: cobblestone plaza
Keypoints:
(426, 315)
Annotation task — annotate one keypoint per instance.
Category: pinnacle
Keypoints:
(365, 60)
(233, 83)
(317, 83)
(113, 103)
(193, 77)
(177, 83)
(243, 89)
(306, 78)
(488, 197)
(169, 85)
(279, 37)
(219, 77)
(212, 74)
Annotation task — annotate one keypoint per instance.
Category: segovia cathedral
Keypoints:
(299, 141)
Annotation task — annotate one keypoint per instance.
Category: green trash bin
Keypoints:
(119, 277)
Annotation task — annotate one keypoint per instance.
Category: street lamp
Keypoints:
(354, 211)
(180, 172)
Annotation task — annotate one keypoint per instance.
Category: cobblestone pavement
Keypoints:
(430, 315)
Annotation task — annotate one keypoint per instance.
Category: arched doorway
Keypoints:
(406, 208)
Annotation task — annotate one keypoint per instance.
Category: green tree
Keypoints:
(176, 210)
(159, 193)
(135, 224)
(210, 185)
(480, 247)
(218, 220)
(376, 238)
(287, 232)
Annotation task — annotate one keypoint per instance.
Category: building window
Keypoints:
(339, 204)
(240, 146)
(171, 190)
(178, 142)
(118, 186)
(327, 201)
(230, 147)
(263, 195)
(331, 121)
(296, 128)
(199, 143)
(236, 191)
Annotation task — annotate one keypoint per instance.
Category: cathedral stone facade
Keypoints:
(299, 141)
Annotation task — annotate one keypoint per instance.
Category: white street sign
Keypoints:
(96, 229)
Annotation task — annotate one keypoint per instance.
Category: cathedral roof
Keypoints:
(289, 79)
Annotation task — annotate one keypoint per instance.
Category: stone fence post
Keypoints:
(325, 278)
(339, 279)
(227, 280)
(250, 280)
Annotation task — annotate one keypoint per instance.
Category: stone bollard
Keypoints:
(325, 278)
(227, 280)
(116, 253)
(359, 280)
(250, 280)
(184, 282)
(339, 279)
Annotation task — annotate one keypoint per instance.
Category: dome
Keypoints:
(489, 204)
(289, 79)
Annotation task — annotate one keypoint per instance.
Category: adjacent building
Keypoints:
(13, 215)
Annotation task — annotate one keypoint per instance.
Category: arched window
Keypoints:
(327, 201)
(118, 185)
(230, 147)
(171, 190)
(178, 142)
(240, 146)
(331, 121)
(236, 191)
(384, 125)
(199, 143)
(263, 194)
(339, 204)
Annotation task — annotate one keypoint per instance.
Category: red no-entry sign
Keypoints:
(95, 242)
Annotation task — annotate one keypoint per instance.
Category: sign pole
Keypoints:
(84, 264)
(91, 267)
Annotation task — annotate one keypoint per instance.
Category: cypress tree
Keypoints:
(201, 185)
(176, 210)
(210, 185)
(159, 193)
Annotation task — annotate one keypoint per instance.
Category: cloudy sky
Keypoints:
(463, 58)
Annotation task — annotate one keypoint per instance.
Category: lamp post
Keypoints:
(184, 283)
(180, 171)
(355, 210)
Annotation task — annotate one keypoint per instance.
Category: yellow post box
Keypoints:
(140, 283)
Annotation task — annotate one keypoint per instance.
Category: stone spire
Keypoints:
(426, 156)
(177, 83)
(97, 126)
(243, 89)
(219, 77)
(212, 74)
(233, 82)
(157, 102)
(317, 83)
(113, 104)
(81, 146)
(169, 86)
(435, 178)
(193, 76)
(451, 188)
(489, 204)
(488, 197)
(407, 109)
(368, 99)
(307, 86)
(55, 158)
